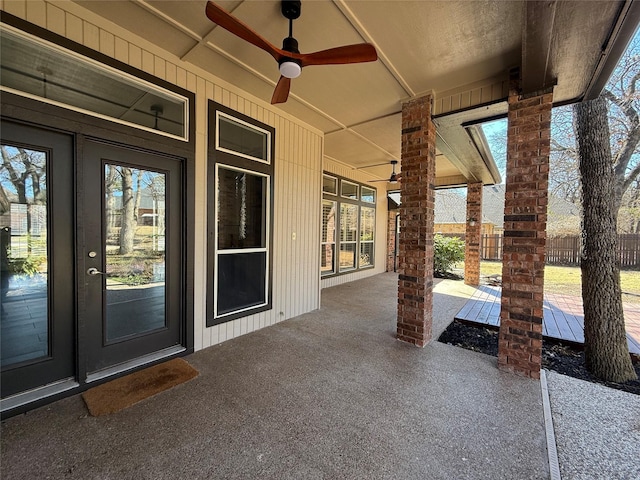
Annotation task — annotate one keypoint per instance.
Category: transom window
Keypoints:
(348, 226)
(368, 194)
(35, 68)
(329, 184)
(349, 189)
(243, 139)
(239, 219)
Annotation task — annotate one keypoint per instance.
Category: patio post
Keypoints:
(525, 223)
(417, 195)
(473, 232)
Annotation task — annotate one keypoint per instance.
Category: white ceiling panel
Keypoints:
(423, 46)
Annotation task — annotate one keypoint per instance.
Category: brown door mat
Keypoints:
(111, 397)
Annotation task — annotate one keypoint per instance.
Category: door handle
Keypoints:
(95, 271)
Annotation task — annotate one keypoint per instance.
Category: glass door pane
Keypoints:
(36, 258)
(135, 251)
(24, 321)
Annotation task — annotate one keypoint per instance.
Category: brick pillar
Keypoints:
(417, 195)
(525, 223)
(473, 234)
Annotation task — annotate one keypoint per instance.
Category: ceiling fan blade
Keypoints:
(370, 166)
(224, 19)
(281, 93)
(358, 53)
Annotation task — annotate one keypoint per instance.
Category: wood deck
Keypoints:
(563, 316)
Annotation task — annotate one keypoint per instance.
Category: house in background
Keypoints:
(451, 213)
(264, 205)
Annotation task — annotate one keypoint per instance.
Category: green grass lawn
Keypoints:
(566, 280)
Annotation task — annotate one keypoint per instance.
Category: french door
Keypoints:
(92, 259)
(37, 297)
(132, 254)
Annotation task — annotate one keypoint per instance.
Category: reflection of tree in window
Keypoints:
(23, 199)
(240, 209)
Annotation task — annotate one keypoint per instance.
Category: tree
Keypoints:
(23, 173)
(623, 102)
(606, 350)
(127, 225)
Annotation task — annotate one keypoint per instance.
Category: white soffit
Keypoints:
(423, 46)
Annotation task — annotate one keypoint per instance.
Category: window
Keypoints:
(328, 252)
(329, 184)
(367, 230)
(348, 236)
(37, 69)
(239, 218)
(348, 226)
(240, 138)
(348, 189)
(368, 194)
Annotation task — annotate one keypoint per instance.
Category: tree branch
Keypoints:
(622, 159)
(634, 175)
(624, 104)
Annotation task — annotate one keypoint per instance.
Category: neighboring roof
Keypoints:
(451, 206)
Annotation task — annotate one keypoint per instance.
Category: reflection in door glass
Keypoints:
(135, 251)
(24, 325)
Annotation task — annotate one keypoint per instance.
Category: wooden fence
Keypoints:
(567, 250)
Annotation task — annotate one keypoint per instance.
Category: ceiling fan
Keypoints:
(394, 178)
(289, 58)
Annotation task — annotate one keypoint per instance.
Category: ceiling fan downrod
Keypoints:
(290, 67)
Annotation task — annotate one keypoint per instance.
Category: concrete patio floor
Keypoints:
(329, 394)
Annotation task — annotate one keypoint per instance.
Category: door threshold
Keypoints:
(23, 398)
(136, 362)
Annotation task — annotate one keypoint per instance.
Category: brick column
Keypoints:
(525, 223)
(473, 234)
(417, 194)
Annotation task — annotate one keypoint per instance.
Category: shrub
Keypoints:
(448, 251)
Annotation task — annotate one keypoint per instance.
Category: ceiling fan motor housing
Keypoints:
(290, 44)
(290, 67)
(291, 9)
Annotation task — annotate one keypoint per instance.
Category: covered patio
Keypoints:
(182, 93)
(333, 394)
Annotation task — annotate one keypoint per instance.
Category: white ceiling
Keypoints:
(423, 46)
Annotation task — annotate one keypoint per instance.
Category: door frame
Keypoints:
(82, 127)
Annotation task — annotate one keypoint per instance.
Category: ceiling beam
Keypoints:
(537, 43)
(621, 35)
(368, 37)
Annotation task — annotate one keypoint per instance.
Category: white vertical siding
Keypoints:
(346, 171)
(298, 165)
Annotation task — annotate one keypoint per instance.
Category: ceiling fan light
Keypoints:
(290, 69)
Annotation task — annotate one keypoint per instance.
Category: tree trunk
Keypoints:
(5, 204)
(127, 226)
(605, 343)
(137, 197)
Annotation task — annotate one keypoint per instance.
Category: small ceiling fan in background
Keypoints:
(289, 58)
(394, 178)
